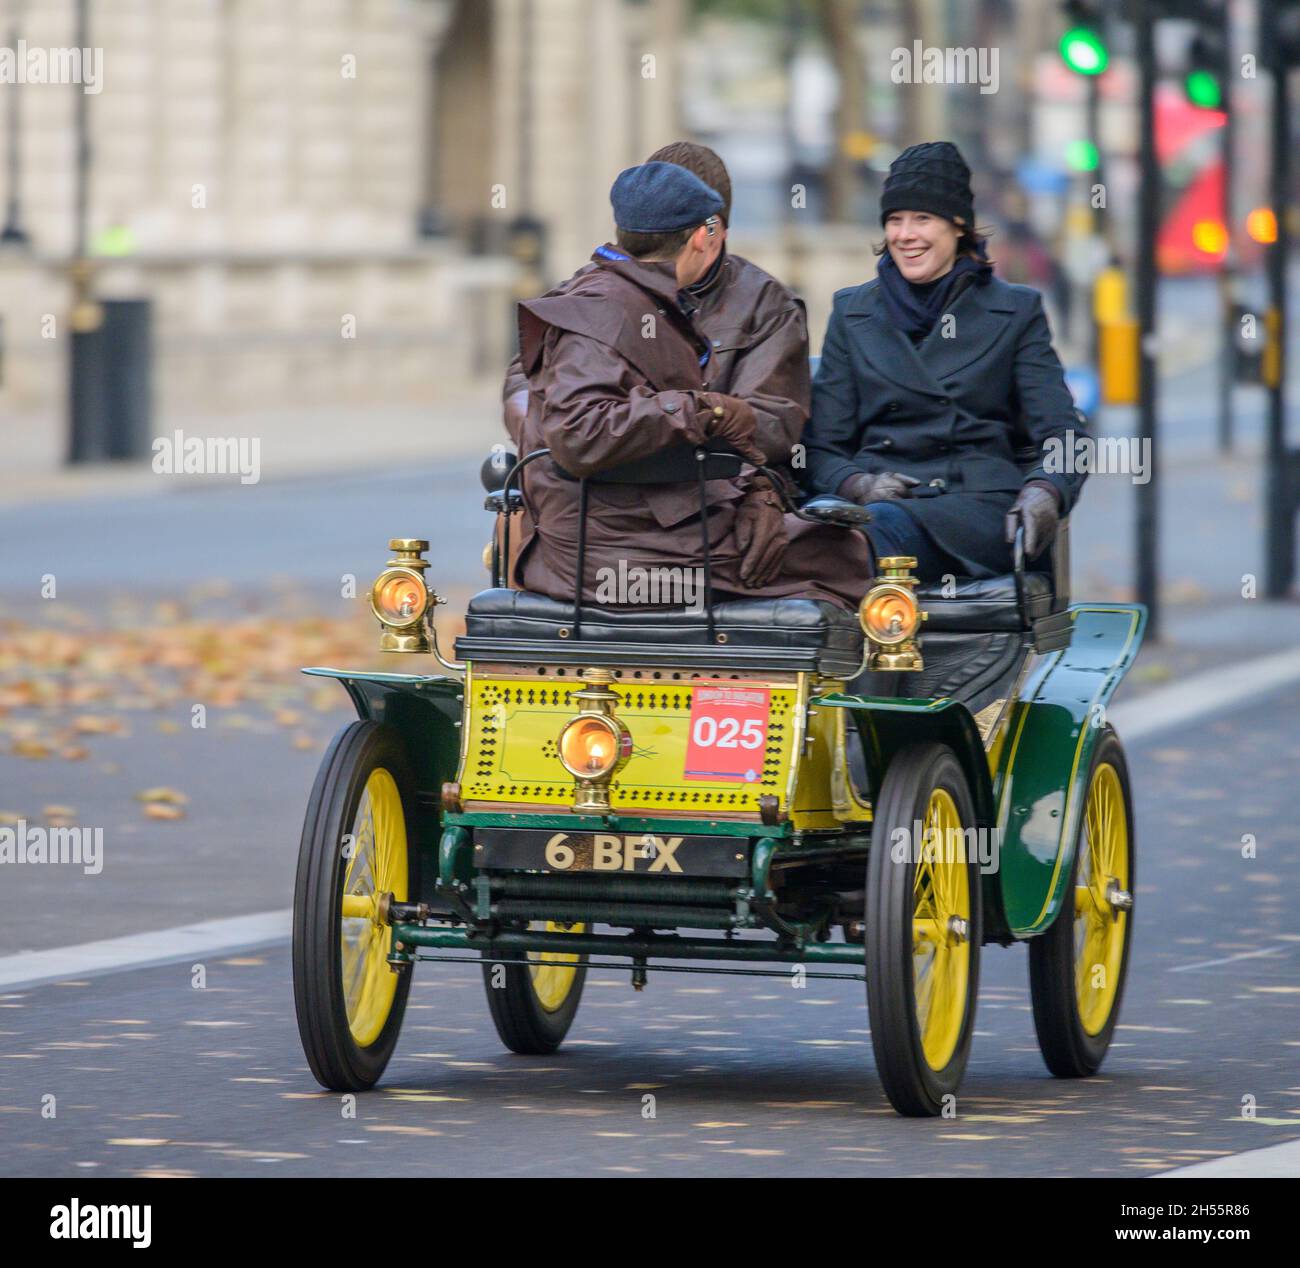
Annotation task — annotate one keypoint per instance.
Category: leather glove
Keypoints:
(1038, 508)
(863, 487)
(730, 419)
(761, 536)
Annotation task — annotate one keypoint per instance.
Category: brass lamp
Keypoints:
(401, 599)
(891, 617)
(594, 746)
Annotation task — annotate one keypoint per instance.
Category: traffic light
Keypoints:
(1082, 155)
(1084, 50)
(1203, 82)
(1261, 224)
(1083, 46)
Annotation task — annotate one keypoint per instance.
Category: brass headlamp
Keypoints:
(594, 746)
(401, 599)
(891, 616)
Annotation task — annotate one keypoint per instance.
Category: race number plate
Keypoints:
(728, 733)
(646, 853)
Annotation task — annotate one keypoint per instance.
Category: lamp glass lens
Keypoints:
(589, 747)
(400, 600)
(890, 616)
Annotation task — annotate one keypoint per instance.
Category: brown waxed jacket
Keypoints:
(613, 365)
(758, 331)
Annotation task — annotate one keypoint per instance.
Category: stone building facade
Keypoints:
(320, 197)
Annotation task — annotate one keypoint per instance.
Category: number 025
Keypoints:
(728, 733)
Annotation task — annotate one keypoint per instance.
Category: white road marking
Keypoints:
(1244, 955)
(1211, 691)
(143, 950)
(1273, 1160)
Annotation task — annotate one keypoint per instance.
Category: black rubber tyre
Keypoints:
(336, 1059)
(524, 1022)
(914, 1088)
(1068, 1049)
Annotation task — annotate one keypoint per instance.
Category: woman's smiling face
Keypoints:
(923, 245)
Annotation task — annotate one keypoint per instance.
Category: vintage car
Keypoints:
(774, 783)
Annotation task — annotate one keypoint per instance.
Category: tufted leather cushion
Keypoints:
(770, 633)
(984, 603)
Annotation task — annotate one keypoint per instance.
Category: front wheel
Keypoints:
(1078, 967)
(924, 921)
(355, 858)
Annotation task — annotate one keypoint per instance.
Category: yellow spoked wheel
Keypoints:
(356, 857)
(553, 973)
(940, 919)
(923, 924)
(533, 1004)
(1100, 913)
(377, 867)
(1078, 967)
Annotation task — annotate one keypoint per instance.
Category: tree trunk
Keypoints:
(839, 24)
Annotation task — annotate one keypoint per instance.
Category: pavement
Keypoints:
(292, 444)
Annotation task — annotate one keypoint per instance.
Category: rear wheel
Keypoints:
(923, 929)
(1077, 969)
(534, 1004)
(354, 858)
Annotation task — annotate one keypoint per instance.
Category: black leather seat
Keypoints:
(984, 604)
(795, 634)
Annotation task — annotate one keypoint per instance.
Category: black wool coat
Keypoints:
(952, 411)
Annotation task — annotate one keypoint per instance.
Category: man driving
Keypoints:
(618, 370)
(757, 327)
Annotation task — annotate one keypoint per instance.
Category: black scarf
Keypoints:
(915, 307)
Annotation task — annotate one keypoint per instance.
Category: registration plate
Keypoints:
(648, 853)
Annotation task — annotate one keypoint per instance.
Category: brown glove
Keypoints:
(1039, 509)
(730, 419)
(761, 536)
(864, 487)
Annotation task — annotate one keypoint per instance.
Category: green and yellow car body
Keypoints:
(675, 853)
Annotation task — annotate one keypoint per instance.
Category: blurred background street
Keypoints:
(307, 225)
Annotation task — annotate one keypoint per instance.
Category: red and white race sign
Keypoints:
(728, 733)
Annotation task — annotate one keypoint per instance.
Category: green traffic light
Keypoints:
(1203, 89)
(1082, 156)
(1084, 51)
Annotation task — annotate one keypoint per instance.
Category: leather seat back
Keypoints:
(793, 634)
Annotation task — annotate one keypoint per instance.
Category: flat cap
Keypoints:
(662, 198)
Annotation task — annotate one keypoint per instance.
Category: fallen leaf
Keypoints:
(157, 810)
(96, 724)
(165, 796)
(30, 748)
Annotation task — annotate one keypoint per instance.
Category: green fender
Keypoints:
(1042, 779)
(1034, 798)
(426, 711)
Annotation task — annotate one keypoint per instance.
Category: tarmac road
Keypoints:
(749, 1076)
